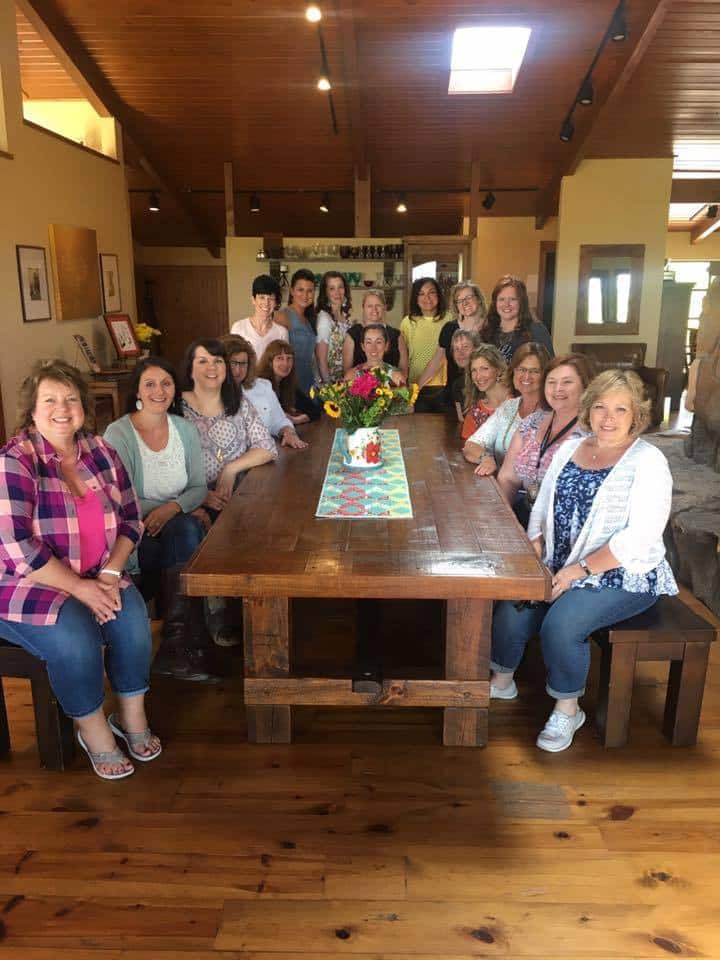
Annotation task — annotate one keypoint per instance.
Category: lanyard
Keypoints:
(547, 442)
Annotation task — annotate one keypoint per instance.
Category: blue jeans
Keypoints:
(564, 628)
(73, 651)
(174, 545)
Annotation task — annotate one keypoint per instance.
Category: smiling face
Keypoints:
(335, 288)
(483, 374)
(156, 390)
(374, 344)
(303, 294)
(239, 367)
(264, 304)
(282, 365)
(58, 413)
(461, 350)
(563, 388)
(428, 299)
(373, 309)
(208, 371)
(507, 305)
(527, 376)
(611, 417)
(466, 303)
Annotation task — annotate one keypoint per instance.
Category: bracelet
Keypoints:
(113, 573)
(585, 568)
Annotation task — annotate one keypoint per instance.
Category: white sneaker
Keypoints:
(504, 693)
(558, 732)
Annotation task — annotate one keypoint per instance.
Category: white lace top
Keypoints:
(164, 471)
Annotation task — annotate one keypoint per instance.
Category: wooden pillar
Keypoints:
(474, 210)
(363, 203)
(229, 199)
(467, 657)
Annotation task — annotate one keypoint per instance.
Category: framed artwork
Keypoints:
(123, 336)
(34, 292)
(74, 256)
(87, 352)
(110, 282)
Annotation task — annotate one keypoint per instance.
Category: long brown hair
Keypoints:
(285, 389)
(525, 317)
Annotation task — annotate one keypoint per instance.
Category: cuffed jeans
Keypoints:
(72, 648)
(174, 545)
(564, 628)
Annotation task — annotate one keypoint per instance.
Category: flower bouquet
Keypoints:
(145, 335)
(363, 404)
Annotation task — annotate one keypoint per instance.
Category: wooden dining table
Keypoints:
(462, 546)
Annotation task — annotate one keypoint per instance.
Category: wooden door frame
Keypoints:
(546, 247)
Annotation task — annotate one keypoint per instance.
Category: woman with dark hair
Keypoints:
(233, 438)
(421, 329)
(259, 391)
(69, 522)
(489, 444)
(510, 322)
(373, 311)
(469, 312)
(375, 342)
(261, 328)
(334, 304)
(540, 435)
(299, 318)
(161, 453)
(278, 366)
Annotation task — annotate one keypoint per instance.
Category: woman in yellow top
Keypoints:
(420, 330)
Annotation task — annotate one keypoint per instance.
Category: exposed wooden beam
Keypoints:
(363, 204)
(704, 229)
(695, 191)
(229, 199)
(605, 102)
(354, 103)
(475, 180)
(57, 31)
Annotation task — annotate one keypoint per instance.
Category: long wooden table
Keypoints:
(463, 545)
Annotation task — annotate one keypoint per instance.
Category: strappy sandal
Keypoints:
(112, 757)
(133, 740)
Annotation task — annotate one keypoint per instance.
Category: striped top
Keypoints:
(39, 520)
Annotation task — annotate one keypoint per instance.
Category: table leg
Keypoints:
(467, 657)
(267, 654)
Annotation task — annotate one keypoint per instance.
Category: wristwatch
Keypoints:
(584, 567)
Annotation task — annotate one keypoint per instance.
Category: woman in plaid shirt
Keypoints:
(69, 519)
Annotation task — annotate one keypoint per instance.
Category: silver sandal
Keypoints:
(113, 757)
(133, 740)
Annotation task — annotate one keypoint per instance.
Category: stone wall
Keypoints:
(703, 444)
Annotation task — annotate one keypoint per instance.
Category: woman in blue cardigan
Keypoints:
(161, 453)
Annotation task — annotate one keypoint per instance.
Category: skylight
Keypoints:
(487, 59)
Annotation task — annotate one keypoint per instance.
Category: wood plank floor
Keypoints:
(367, 838)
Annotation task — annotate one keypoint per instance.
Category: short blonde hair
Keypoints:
(374, 292)
(610, 381)
(52, 370)
(476, 292)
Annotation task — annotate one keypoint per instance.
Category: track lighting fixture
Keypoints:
(325, 203)
(712, 211)
(313, 13)
(154, 203)
(489, 201)
(401, 204)
(254, 203)
(324, 84)
(618, 25)
(567, 130)
(586, 94)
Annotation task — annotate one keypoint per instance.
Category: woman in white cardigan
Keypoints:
(598, 525)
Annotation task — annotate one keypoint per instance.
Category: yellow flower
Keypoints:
(331, 409)
(312, 392)
(414, 394)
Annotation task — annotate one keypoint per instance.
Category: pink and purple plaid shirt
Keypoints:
(38, 519)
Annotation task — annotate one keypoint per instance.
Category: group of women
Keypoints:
(85, 517)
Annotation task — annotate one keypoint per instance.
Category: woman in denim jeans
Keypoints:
(598, 524)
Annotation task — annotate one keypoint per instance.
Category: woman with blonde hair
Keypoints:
(485, 387)
(373, 311)
(469, 312)
(598, 525)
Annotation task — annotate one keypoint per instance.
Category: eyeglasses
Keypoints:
(528, 371)
(239, 363)
(465, 301)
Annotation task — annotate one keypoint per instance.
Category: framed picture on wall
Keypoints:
(123, 336)
(76, 282)
(112, 301)
(33, 277)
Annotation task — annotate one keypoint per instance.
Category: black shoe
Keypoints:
(187, 664)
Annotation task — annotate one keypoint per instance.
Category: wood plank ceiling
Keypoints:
(235, 80)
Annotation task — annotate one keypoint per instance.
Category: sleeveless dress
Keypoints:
(302, 338)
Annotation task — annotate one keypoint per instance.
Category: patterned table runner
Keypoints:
(381, 492)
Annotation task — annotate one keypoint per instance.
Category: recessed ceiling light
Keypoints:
(313, 13)
(324, 84)
(487, 59)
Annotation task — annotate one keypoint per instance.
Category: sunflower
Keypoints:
(331, 409)
(414, 395)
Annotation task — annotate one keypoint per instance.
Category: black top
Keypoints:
(304, 404)
(392, 354)
(507, 343)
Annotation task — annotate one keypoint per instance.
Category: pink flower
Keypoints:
(364, 385)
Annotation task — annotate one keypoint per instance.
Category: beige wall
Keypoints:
(177, 257)
(678, 247)
(509, 245)
(613, 201)
(50, 181)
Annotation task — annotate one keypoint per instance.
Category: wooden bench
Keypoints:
(669, 630)
(54, 730)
